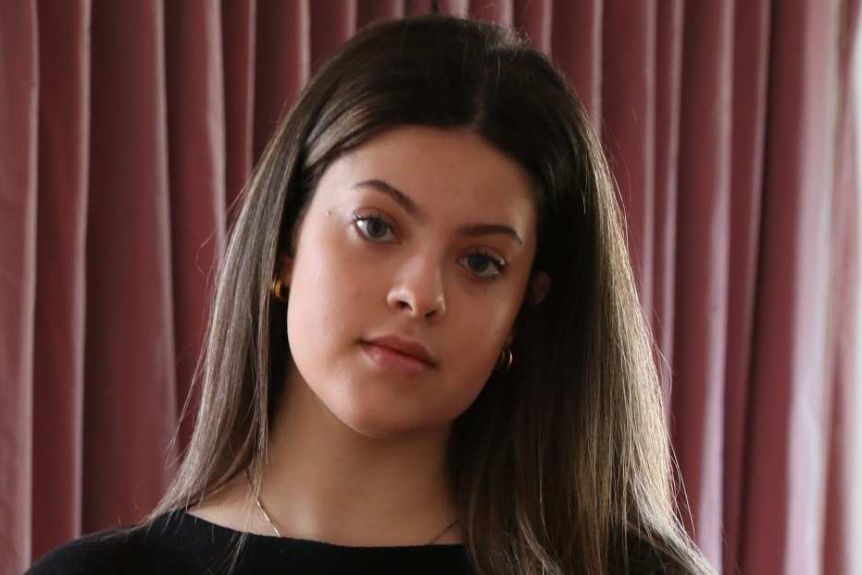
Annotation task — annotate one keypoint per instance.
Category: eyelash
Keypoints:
(499, 263)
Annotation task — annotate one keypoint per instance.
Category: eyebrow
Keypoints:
(412, 208)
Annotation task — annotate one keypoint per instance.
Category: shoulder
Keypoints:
(132, 550)
(96, 553)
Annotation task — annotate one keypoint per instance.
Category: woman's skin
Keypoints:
(358, 450)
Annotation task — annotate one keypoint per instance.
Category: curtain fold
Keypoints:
(788, 430)
(702, 262)
(239, 18)
(129, 370)
(196, 162)
(129, 129)
(283, 63)
(839, 516)
(844, 513)
(750, 66)
(668, 74)
(628, 124)
(60, 316)
(19, 97)
(576, 44)
(535, 20)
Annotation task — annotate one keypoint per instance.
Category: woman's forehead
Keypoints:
(431, 168)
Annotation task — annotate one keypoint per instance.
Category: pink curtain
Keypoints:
(127, 129)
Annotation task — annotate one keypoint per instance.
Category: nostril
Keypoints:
(408, 300)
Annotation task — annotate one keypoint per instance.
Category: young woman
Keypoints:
(426, 352)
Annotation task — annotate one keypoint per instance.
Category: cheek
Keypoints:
(321, 310)
(474, 352)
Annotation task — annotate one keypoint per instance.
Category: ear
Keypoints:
(284, 262)
(539, 288)
(284, 268)
(510, 339)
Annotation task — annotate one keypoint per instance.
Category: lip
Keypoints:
(399, 354)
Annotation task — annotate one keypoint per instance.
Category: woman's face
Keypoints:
(424, 234)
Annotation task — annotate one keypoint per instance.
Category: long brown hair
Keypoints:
(562, 465)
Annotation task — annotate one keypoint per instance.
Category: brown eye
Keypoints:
(485, 265)
(372, 227)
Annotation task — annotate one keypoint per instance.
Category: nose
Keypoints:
(419, 289)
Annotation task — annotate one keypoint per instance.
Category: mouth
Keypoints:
(395, 361)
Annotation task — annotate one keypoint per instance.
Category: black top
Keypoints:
(182, 543)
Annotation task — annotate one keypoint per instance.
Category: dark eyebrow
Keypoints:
(403, 199)
(414, 210)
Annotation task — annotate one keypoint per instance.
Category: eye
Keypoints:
(479, 262)
(372, 227)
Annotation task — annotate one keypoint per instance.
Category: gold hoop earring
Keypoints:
(505, 360)
(276, 290)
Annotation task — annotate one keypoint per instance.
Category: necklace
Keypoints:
(278, 533)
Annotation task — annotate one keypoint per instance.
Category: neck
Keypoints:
(327, 482)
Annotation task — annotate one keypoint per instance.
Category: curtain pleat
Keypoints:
(130, 382)
(788, 430)
(413, 7)
(238, 54)
(576, 44)
(60, 328)
(628, 124)
(462, 8)
(196, 160)
(283, 63)
(501, 12)
(843, 518)
(839, 517)
(373, 10)
(702, 254)
(750, 68)
(333, 22)
(534, 19)
(19, 95)
(129, 129)
(668, 72)
(239, 30)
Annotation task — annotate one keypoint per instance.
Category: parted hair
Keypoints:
(563, 464)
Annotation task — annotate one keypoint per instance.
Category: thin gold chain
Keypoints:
(278, 533)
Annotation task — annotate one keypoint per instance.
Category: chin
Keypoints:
(374, 422)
